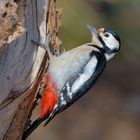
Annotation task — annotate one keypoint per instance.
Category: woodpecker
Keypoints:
(74, 72)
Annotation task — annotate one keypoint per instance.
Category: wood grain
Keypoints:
(20, 61)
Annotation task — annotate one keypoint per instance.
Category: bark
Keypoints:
(23, 63)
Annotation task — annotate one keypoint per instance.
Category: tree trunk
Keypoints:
(23, 63)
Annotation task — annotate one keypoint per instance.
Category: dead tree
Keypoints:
(23, 63)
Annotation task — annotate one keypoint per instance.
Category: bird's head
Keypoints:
(105, 39)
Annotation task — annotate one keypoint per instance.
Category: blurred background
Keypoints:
(111, 110)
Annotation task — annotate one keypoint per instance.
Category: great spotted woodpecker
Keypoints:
(74, 72)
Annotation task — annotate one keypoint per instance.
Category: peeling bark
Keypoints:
(22, 63)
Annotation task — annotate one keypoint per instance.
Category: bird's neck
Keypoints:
(109, 56)
(99, 48)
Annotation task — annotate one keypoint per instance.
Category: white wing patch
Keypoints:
(63, 102)
(69, 93)
(87, 73)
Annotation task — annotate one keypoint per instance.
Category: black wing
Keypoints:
(67, 97)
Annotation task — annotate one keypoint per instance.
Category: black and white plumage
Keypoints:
(86, 62)
(80, 83)
(76, 71)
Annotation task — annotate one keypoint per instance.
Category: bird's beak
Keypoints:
(92, 29)
(94, 32)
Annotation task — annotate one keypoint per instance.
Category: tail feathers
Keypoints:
(38, 121)
(49, 119)
(52, 115)
(33, 126)
(56, 111)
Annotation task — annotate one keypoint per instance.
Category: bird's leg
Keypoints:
(45, 45)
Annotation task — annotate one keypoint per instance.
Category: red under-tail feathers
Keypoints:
(49, 98)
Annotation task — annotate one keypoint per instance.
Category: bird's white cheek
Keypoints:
(111, 42)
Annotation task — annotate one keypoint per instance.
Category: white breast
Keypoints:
(69, 64)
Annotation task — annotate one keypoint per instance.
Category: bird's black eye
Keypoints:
(106, 35)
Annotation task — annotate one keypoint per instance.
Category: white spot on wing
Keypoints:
(68, 90)
(86, 75)
(63, 102)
